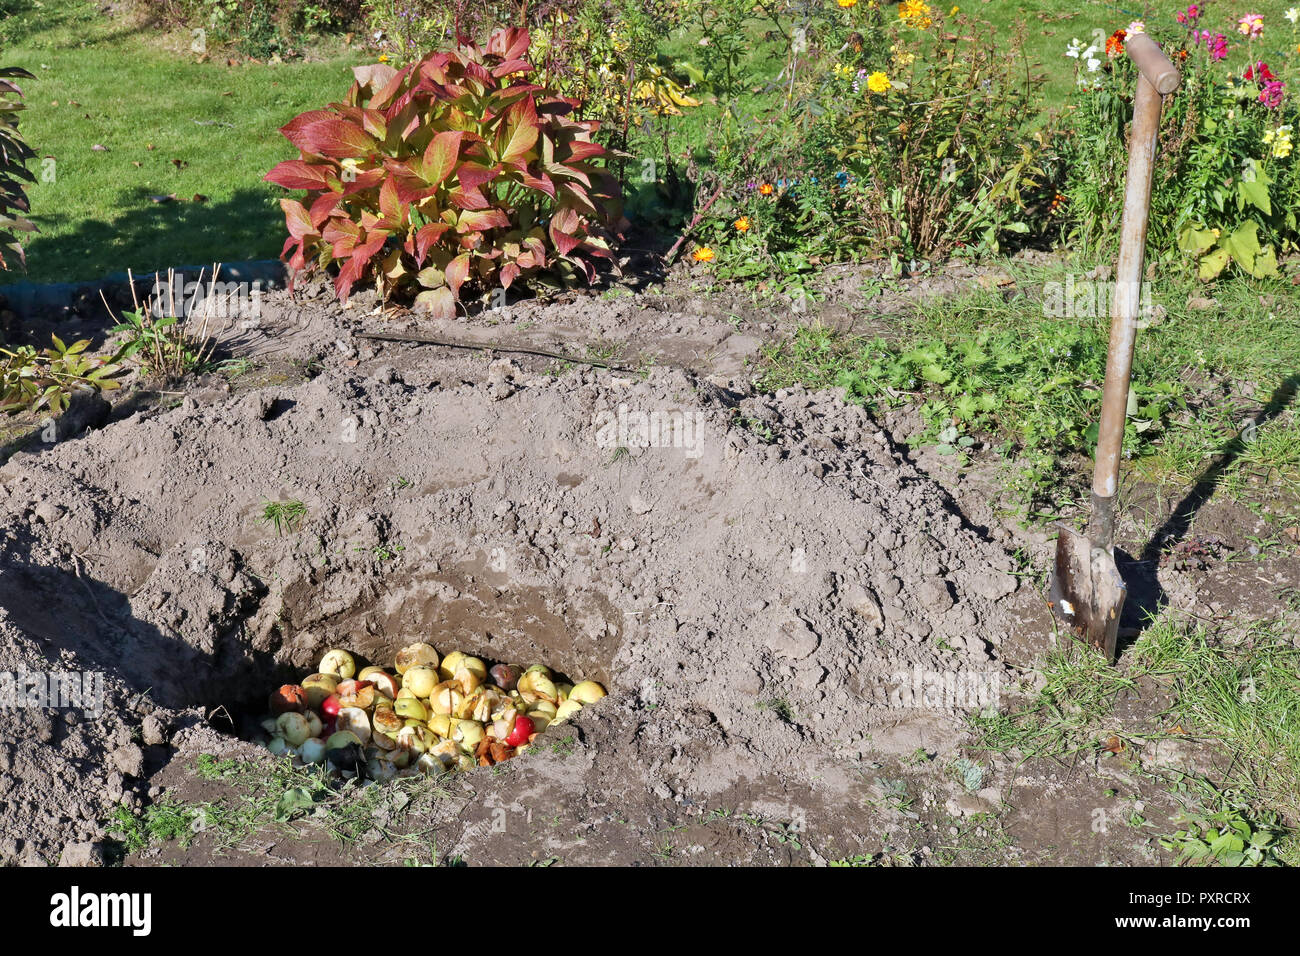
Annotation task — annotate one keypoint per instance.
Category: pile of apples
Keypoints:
(432, 716)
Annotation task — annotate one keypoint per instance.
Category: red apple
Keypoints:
(523, 730)
(330, 706)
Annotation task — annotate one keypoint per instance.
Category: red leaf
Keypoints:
(478, 76)
(323, 206)
(408, 179)
(389, 205)
(374, 123)
(540, 183)
(377, 77)
(297, 174)
(478, 220)
(348, 276)
(561, 171)
(564, 243)
(296, 261)
(520, 135)
(467, 199)
(337, 139)
(512, 66)
(579, 195)
(566, 219)
(339, 230)
(509, 44)
(580, 150)
(457, 272)
(293, 130)
(296, 219)
(442, 156)
(427, 236)
(509, 272)
(474, 175)
(366, 180)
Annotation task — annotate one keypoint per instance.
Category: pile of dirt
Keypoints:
(767, 587)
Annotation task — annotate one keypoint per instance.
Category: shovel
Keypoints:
(1087, 592)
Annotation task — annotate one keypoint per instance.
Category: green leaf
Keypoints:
(294, 802)
(1256, 194)
(1243, 244)
(1195, 240)
(1212, 264)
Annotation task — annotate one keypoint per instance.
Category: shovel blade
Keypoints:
(1087, 593)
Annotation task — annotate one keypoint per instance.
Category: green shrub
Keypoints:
(14, 154)
(260, 28)
(1225, 187)
(451, 171)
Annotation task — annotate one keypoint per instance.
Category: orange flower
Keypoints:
(742, 224)
(1115, 43)
(703, 254)
(765, 189)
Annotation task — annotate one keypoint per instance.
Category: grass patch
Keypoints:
(275, 794)
(170, 125)
(988, 375)
(1239, 690)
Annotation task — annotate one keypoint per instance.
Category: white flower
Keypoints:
(1137, 26)
(1093, 64)
(1073, 50)
(1293, 14)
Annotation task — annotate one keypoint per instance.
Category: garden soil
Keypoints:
(782, 605)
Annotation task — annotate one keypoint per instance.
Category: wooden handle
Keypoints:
(1125, 305)
(1152, 63)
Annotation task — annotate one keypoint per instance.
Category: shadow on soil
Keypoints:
(1146, 598)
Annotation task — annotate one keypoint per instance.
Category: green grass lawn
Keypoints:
(169, 125)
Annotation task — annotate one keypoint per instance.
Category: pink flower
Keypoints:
(1216, 43)
(1271, 94)
(1251, 25)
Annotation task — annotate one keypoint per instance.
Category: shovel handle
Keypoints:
(1156, 75)
(1152, 63)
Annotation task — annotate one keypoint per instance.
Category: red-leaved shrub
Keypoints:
(451, 171)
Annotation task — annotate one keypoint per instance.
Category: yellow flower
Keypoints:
(878, 82)
(703, 254)
(1280, 140)
(847, 3)
(954, 11)
(383, 58)
(915, 14)
(901, 56)
(842, 71)
(742, 224)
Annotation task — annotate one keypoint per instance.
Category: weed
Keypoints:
(286, 516)
(1227, 837)
(783, 709)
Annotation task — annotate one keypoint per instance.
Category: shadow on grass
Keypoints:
(1181, 517)
(148, 234)
(1146, 598)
